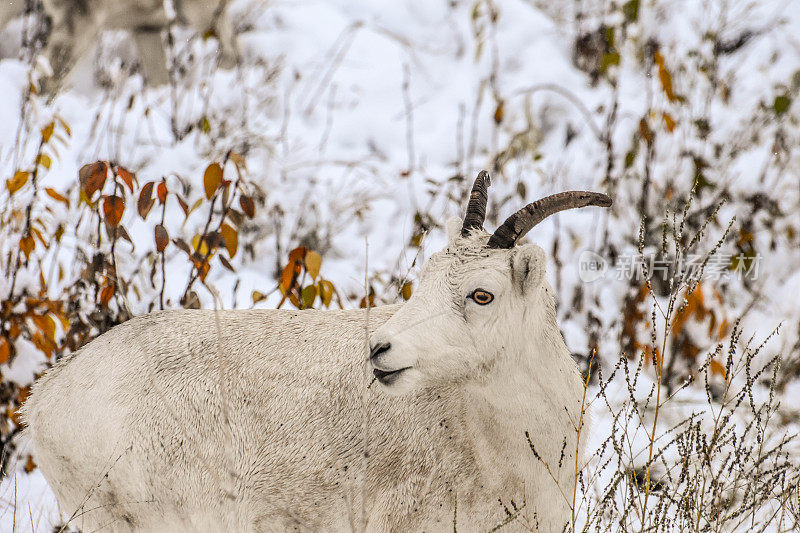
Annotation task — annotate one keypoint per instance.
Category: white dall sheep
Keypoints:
(263, 420)
(76, 24)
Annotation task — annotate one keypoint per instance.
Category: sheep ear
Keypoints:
(453, 226)
(527, 268)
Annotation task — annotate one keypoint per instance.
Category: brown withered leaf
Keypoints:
(113, 209)
(162, 238)
(212, 179)
(127, 177)
(183, 204)
(645, 131)
(30, 465)
(231, 238)
(226, 263)
(182, 245)
(18, 181)
(93, 177)
(367, 301)
(247, 205)
(146, 200)
(161, 192)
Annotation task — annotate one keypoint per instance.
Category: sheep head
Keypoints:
(480, 300)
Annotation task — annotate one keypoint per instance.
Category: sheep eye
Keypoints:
(481, 297)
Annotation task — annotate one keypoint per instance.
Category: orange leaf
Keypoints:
(669, 122)
(146, 200)
(212, 179)
(298, 254)
(113, 208)
(27, 244)
(367, 301)
(717, 368)
(247, 206)
(5, 350)
(289, 275)
(126, 177)
(231, 239)
(17, 182)
(664, 76)
(46, 325)
(30, 466)
(161, 192)
(162, 238)
(52, 193)
(313, 262)
(106, 294)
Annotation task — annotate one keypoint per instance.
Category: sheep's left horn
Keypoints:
(526, 218)
(476, 208)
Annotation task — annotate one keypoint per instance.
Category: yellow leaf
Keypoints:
(313, 263)
(669, 122)
(17, 182)
(257, 296)
(231, 239)
(406, 291)
(199, 246)
(212, 179)
(47, 131)
(65, 126)
(325, 291)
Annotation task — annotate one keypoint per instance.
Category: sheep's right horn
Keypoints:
(476, 208)
(526, 218)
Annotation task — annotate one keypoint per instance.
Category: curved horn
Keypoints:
(476, 208)
(526, 218)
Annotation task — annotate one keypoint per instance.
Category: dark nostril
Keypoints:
(379, 349)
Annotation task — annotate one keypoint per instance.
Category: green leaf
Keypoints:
(781, 104)
(631, 10)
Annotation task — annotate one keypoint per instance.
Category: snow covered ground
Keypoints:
(356, 115)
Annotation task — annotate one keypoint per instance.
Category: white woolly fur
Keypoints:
(255, 420)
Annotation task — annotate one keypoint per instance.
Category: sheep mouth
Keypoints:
(387, 377)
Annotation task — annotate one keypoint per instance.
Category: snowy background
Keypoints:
(363, 124)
